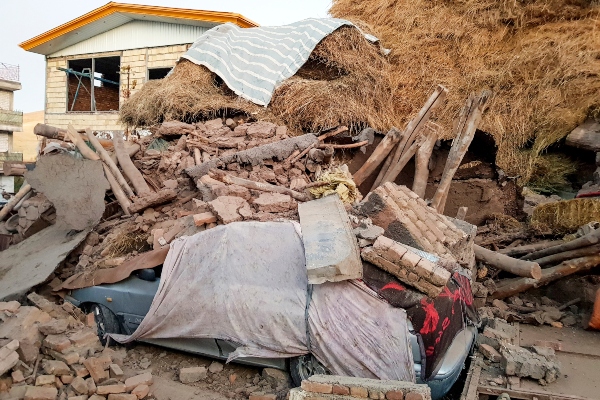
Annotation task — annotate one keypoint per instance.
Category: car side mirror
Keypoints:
(147, 274)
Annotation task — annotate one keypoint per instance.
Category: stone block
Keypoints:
(330, 247)
(142, 379)
(193, 374)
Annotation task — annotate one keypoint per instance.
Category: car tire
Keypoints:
(304, 367)
(106, 321)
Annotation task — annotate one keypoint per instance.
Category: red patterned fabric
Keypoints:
(437, 320)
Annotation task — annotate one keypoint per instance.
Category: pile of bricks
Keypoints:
(406, 264)
(332, 387)
(406, 218)
(52, 352)
(35, 214)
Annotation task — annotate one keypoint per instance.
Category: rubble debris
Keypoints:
(254, 156)
(586, 136)
(330, 247)
(378, 156)
(129, 169)
(343, 387)
(423, 157)
(518, 361)
(407, 219)
(7, 208)
(408, 265)
(31, 262)
(79, 198)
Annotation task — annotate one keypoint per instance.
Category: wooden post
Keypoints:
(264, 187)
(110, 163)
(134, 175)
(52, 132)
(381, 152)
(197, 156)
(469, 118)
(586, 240)
(505, 263)
(14, 168)
(515, 286)
(412, 131)
(4, 211)
(422, 159)
(462, 213)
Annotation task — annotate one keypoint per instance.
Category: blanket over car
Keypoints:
(246, 283)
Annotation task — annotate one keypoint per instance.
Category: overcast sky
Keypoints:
(24, 19)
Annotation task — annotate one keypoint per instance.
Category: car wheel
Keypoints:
(304, 367)
(106, 321)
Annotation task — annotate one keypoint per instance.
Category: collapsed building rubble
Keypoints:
(99, 207)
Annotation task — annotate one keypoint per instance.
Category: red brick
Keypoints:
(96, 369)
(58, 343)
(122, 396)
(142, 379)
(357, 391)
(84, 338)
(41, 393)
(204, 218)
(110, 389)
(316, 387)
(395, 395)
(413, 396)
(341, 390)
(141, 391)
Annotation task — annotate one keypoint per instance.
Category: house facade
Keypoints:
(95, 62)
(10, 121)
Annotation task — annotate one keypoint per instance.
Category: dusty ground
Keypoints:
(235, 381)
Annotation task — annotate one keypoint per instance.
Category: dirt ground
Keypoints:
(235, 381)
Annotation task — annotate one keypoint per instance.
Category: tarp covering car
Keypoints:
(232, 283)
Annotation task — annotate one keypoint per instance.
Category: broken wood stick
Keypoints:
(109, 162)
(518, 285)
(90, 154)
(395, 170)
(264, 187)
(320, 139)
(135, 176)
(343, 146)
(586, 240)
(411, 133)
(422, 159)
(152, 200)
(117, 190)
(568, 255)
(335, 132)
(4, 211)
(52, 132)
(197, 156)
(469, 119)
(529, 248)
(524, 268)
(382, 150)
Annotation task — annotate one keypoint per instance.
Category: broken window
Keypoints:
(98, 94)
(157, 73)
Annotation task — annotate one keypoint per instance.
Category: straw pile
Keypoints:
(565, 216)
(346, 81)
(540, 58)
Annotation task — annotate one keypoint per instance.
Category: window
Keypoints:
(103, 93)
(158, 73)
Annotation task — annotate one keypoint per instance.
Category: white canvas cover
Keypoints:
(246, 282)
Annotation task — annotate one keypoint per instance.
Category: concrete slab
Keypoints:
(331, 249)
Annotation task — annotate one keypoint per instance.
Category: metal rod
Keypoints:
(71, 71)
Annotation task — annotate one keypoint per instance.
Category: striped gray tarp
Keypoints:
(253, 61)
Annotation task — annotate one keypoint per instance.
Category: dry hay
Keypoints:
(541, 58)
(565, 216)
(190, 93)
(346, 81)
(126, 242)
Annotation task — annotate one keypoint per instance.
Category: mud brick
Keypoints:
(191, 375)
(141, 391)
(204, 218)
(111, 389)
(414, 396)
(316, 387)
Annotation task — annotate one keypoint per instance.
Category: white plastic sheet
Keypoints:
(246, 283)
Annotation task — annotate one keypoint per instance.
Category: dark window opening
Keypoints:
(98, 94)
(158, 73)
